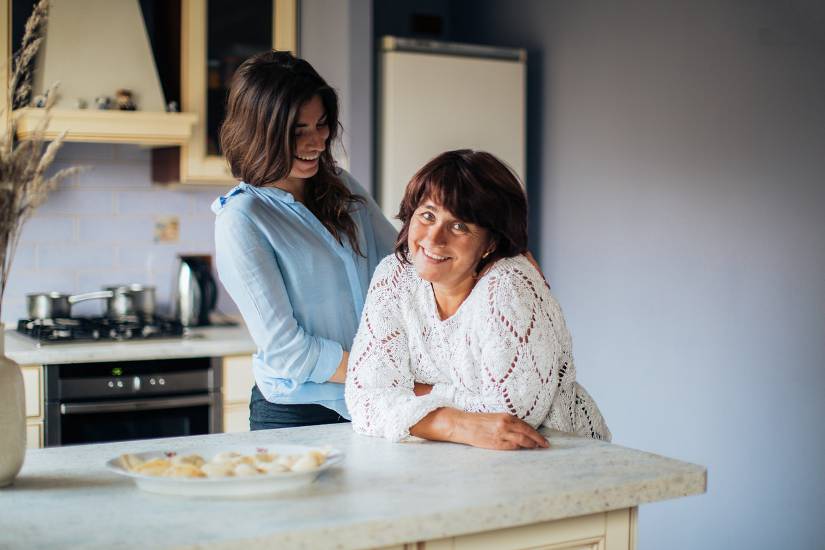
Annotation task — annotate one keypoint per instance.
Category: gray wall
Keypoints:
(336, 37)
(677, 154)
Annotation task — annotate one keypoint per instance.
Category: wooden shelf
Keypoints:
(89, 125)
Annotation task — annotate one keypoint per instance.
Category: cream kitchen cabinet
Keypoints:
(212, 46)
(33, 387)
(147, 128)
(206, 54)
(614, 530)
(237, 383)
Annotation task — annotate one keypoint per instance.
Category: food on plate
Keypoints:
(194, 460)
(183, 470)
(130, 462)
(225, 464)
(154, 467)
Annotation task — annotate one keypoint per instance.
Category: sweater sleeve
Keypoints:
(249, 271)
(379, 387)
(519, 348)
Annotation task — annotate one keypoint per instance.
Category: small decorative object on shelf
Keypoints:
(80, 103)
(39, 101)
(124, 101)
(102, 102)
(24, 185)
(172, 107)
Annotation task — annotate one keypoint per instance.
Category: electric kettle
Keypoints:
(195, 291)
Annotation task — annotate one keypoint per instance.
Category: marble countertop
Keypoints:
(382, 494)
(200, 342)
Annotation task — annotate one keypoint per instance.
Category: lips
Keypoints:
(433, 256)
(308, 158)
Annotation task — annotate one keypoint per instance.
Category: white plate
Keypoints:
(263, 484)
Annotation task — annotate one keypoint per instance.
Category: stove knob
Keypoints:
(161, 381)
(120, 383)
(111, 384)
(152, 382)
(136, 383)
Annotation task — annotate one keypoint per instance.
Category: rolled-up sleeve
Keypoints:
(248, 269)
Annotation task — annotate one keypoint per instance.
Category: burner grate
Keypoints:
(99, 328)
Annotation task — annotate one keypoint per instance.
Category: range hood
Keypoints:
(94, 48)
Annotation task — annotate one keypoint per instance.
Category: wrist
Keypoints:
(447, 422)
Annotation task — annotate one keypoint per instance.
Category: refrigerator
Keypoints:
(435, 96)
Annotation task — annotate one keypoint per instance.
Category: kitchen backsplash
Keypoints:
(99, 228)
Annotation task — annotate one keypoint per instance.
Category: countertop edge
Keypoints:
(440, 524)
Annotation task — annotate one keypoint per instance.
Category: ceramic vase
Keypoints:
(12, 417)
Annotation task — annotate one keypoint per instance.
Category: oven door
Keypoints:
(145, 418)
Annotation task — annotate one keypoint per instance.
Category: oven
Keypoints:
(123, 400)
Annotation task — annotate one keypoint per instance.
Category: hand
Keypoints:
(498, 431)
(340, 374)
(422, 389)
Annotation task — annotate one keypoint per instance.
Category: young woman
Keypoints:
(296, 241)
(460, 338)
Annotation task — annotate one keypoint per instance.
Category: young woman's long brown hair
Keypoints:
(258, 139)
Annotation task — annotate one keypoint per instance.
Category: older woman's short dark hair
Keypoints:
(475, 187)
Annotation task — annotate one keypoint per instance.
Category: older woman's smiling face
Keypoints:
(445, 250)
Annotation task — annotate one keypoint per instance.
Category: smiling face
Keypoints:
(445, 250)
(311, 134)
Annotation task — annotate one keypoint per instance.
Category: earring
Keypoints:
(484, 256)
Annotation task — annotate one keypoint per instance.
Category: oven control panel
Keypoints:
(114, 381)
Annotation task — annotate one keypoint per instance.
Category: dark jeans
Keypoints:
(264, 415)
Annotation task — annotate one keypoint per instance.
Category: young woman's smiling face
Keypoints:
(445, 250)
(311, 133)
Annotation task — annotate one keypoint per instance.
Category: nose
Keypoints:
(436, 235)
(318, 138)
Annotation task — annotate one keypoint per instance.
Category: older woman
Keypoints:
(460, 339)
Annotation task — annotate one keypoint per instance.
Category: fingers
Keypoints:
(523, 435)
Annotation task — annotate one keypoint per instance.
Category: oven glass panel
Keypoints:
(122, 426)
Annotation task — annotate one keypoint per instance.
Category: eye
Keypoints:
(460, 227)
(427, 216)
(321, 124)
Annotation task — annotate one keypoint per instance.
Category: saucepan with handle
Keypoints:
(130, 300)
(53, 305)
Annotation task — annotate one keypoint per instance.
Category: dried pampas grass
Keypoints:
(24, 184)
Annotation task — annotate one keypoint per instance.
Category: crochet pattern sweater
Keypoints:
(506, 349)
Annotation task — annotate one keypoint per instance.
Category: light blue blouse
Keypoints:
(299, 291)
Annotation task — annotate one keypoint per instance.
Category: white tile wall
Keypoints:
(97, 229)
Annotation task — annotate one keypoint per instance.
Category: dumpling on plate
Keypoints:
(193, 459)
(225, 456)
(130, 462)
(183, 470)
(218, 469)
(154, 467)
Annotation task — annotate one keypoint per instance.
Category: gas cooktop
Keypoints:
(86, 329)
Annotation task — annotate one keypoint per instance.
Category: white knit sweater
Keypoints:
(506, 349)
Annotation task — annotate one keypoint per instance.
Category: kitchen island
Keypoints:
(579, 491)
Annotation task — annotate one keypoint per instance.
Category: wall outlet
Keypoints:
(167, 229)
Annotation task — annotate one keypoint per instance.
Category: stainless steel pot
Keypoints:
(130, 300)
(52, 305)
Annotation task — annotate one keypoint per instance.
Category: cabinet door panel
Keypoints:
(34, 395)
(237, 378)
(235, 418)
(34, 435)
(604, 531)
